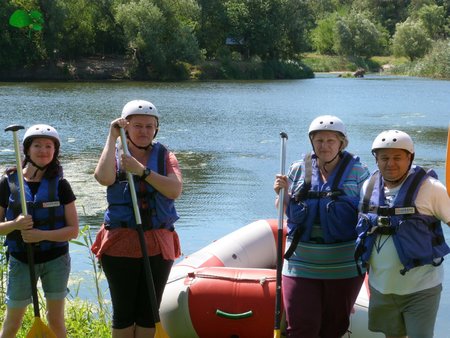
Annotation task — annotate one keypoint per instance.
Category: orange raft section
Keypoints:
(232, 302)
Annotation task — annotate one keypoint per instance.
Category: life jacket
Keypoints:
(45, 208)
(156, 210)
(324, 203)
(418, 238)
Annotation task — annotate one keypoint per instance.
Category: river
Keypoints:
(226, 137)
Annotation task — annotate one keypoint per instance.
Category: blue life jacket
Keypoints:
(324, 203)
(156, 210)
(418, 238)
(44, 207)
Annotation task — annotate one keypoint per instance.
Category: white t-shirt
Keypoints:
(385, 265)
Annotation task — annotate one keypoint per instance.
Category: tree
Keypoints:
(212, 31)
(433, 20)
(410, 40)
(323, 35)
(356, 35)
(160, 34)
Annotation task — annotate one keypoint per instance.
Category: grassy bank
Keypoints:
(327, 63)
(84, 319)
(435, 64)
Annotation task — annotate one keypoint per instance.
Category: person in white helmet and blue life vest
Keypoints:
(51, 221)
(320, 281)
(401, 240)
(158, 183)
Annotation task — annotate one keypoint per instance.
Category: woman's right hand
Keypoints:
(281, 182)
(115, 126)
(23, 222)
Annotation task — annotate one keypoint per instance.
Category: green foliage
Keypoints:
(435, 64)
(254, 69)
(159, 35)
(433, 20)
(163, 38)
(356, 35)
(411, 40)
(323, 35)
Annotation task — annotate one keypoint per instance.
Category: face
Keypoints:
(41, 151)
(141, 129)
(326, 145)
(393, 163)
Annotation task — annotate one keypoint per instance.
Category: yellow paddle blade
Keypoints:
(160, 332)
(276, 334)
(447, 164)
(40, 330)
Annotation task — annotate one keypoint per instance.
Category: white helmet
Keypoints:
(393, 139)
(41, 130)
(328, 123)
(139, 107)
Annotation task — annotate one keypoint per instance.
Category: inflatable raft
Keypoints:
(227, 289)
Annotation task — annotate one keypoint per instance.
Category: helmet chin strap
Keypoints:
(139, 147)
(36, 166)
(328, 162)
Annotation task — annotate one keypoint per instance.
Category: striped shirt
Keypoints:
(315, 259)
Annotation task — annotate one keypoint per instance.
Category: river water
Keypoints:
(226, 137)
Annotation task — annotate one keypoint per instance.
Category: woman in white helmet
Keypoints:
(51, 222)
(400, 238)
(158, 182)
(320, 279)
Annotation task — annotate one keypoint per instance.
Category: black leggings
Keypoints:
(128, 288)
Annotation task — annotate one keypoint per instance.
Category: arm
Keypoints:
(281, 182)
(20, 223)
(70, 231)
(170, 185)
(105, 172)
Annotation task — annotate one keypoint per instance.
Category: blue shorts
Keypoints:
(54, 276)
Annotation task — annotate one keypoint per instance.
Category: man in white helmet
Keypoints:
(320, 280)
(400, 239)
(158, 182)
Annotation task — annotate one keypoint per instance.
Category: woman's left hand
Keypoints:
(129, 163)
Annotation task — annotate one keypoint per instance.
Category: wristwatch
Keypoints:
(145, 174)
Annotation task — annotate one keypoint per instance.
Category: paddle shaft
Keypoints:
(284, 138)
(137, 215)
(23, 202)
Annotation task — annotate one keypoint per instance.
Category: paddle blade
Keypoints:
(40, 330)
(160, 332)
(447, 164)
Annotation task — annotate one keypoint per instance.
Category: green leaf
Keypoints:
(36, 27)
(20, 19)
(36, 17)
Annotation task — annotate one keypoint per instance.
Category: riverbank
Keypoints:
(117, 67)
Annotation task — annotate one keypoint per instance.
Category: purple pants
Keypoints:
(319, 307)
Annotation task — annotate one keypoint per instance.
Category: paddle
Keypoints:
(160, 332)
(447, 163)
(38, 329)
(276, 332)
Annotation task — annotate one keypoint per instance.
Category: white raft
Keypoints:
(227, 289)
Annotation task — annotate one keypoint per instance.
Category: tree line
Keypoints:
(165, 38)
